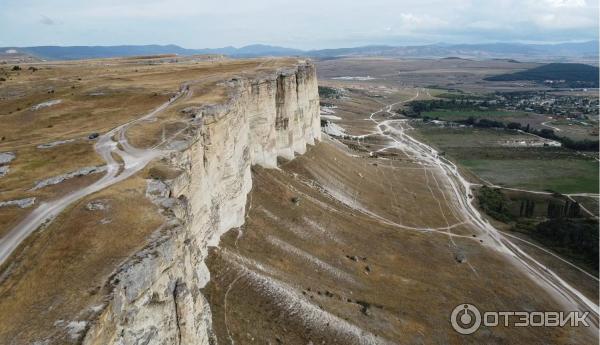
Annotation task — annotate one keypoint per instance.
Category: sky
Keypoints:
(306, 24)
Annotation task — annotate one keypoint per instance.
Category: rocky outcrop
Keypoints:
(61, 178)
(22, 203)
(155, 298)
(5, 158)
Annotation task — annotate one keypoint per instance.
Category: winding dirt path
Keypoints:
(395, 131)
(134, 160)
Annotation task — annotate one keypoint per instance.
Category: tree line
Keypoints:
(416, 108)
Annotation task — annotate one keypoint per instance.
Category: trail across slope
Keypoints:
(395, 131)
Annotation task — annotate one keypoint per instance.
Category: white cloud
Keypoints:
(566, 3)
(410, 22)
(306, 24)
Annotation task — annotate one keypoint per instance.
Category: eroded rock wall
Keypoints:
(155, 297)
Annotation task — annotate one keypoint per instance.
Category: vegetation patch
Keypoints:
(575, 238)
(486, 114)
(329, 92)
(453, 115)
(493, 202)
(554, 220)
(531, 168)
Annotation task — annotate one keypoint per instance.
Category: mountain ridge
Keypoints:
(587, 49)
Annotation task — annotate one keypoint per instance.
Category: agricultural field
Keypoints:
(504, 157)
(447, 138)
(485, 153)
(574, 129)
(558, 175)
(453, 115)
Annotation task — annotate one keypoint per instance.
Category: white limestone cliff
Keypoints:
(156, 296)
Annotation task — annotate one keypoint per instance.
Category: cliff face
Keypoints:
(156, 296)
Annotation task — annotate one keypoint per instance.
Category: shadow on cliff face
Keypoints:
(341, 248)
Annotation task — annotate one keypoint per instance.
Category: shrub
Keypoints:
(579, 236)
(493, 202)
(513, 125)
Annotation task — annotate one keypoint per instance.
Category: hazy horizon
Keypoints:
(273, 45)
(307, 25)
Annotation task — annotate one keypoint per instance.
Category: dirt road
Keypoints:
(133, 161)
(396, 132)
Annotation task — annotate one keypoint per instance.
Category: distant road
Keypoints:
(395, 131)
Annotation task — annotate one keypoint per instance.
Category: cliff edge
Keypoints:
(156, 295)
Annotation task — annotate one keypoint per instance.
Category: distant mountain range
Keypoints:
(92, 52)
(475, 51)
(584, 50)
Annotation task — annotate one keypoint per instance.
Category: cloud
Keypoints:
(336, 23)
(47, 20)
(566, 3)
(421, 21)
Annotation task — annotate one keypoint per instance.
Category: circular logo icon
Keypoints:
(465, 319)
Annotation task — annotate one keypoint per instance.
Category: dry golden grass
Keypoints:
(32, 164)
(59, 271)
(96, 96)
(11, 216)
(319, 248)
(406, 294)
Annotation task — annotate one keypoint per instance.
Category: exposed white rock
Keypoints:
(157, 189)
(4, 169)
(75, 328)
(60, 178)
(318, 263)
(328, 110)
(97, 308)
(334, 130)
(176, 145)
(22, 203)
(308, 313)
(355, 78)
(96, 205)
(6, 157)
(54, 143)
(159, 192)
(156, 295)
(46, 104)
